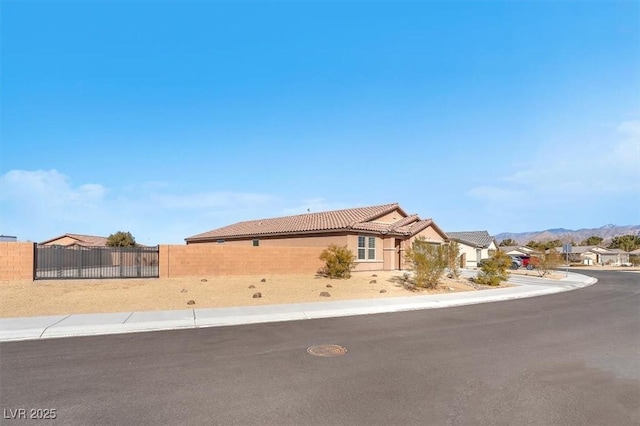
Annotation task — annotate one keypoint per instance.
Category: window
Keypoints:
(366, 248)
(256, 243)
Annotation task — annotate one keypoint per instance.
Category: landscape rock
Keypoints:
(373, 282)
(204, 280)
(325, 294)
(410, 287)
(383, 291)
(264, 280)
(252, 286)
(329, 286)
(374, 275)
(257, 295)
(191, 302)
(184, 290)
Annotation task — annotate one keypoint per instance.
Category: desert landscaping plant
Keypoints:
(547, 261)
(453, 259)
(428, 262)
(339, 261)
(495, 269)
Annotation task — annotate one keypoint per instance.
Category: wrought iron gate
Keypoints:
(58, 262)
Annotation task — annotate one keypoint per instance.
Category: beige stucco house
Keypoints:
(518, 251)
(474, 246)
(377, 235)
(67, 240)
(595, 255)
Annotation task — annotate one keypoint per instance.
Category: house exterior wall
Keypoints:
(430, 235)
(394, 216)
(297, 241)
(367, 265)
(221, 259)
(16, 261)
(470, 255)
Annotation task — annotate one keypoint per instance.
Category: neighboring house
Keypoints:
(614, 257)
(474, 246)
(518, 250)
(377, 235)
(8, 239)
(595, 255)
(68, 240)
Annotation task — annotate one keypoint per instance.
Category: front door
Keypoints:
(398, 254)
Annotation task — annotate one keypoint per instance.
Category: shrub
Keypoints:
(548, 261)
(339, 261)
(428, 262)
(453, 257)
(495, 269)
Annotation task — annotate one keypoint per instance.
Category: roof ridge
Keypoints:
(318, 212)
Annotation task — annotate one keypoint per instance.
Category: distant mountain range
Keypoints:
(568, 235)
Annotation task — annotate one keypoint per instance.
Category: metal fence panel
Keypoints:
(58, 262)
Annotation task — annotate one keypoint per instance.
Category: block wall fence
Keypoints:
(16, 261)
(218, 259)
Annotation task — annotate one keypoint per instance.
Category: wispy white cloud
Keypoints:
(573, 170)
(38, 204)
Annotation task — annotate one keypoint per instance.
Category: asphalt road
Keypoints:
(566, 359)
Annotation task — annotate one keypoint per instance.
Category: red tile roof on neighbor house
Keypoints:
(82, 240)
(356, 219)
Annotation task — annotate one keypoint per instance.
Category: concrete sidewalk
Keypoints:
(32, 328)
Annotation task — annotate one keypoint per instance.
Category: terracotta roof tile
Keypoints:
(473, 238)
(82, 240)
(336, 220)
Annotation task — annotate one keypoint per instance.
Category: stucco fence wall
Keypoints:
(220, 259)
(16, 261)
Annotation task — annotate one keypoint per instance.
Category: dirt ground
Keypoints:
(52, 297)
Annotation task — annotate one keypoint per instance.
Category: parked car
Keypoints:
(516, 262)
(528, 262)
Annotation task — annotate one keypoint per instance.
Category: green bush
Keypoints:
(121, 239)
(339, 261)
(495, 269)
(428, 262)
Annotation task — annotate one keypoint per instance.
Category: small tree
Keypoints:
(428, 262)
(593, 240)
(121, 239)
(339, 261)
(508, 242)
(453, 256)
(495, 269)
(625, 242)
(546, 261)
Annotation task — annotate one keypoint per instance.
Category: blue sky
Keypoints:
(168, 119)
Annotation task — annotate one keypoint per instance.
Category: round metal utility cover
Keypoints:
(326, 350)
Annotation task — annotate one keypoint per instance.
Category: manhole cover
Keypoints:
(326, 350)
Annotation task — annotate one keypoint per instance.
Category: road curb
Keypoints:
(59, 326)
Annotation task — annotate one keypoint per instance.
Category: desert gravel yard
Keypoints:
(53, 297)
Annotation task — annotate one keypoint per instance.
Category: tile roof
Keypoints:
(82, 240)
(472, 238)
(521, 249)
(359, 219)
